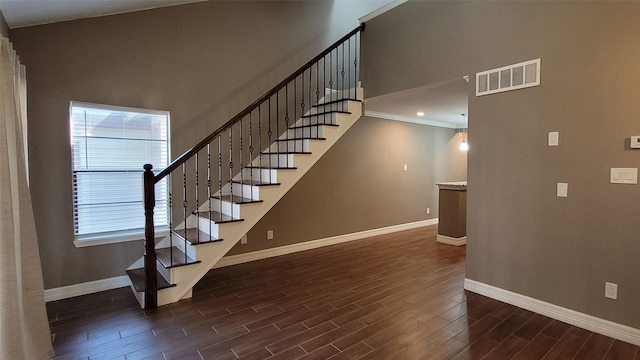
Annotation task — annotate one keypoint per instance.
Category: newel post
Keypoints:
(150, 292)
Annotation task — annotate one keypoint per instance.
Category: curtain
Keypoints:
(24, 329)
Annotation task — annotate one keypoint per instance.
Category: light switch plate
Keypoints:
(635, 142)
(624, 176)
(554, 138)
(562, 190)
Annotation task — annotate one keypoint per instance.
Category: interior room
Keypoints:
(299, 151)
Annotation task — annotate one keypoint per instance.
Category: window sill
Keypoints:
(114, 239)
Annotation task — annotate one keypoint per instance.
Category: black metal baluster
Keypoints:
(241, 165)
(286, 122)
(302, 107)
(251, 151)
(209, 183)
(220, 174)
(259, 143)
(349, 70)
(185, 205)
(355, 65)
(295, 102)
(171, 221)
(330, 79)
(310, 89)
(197, 208)
(342, 76)
(277, 127)
(317, 88)
(231, 170)
(269, 140)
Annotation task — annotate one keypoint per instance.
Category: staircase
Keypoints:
(219, 189)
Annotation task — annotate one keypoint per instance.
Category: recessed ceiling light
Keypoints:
(420, 113)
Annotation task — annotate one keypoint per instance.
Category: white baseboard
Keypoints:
(313, 244)
(122, 281)
(451, 240)
(588, 322)
(86, 288)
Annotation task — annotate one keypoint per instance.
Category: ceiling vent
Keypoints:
(512, 77)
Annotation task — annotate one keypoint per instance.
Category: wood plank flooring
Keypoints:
(396, 296)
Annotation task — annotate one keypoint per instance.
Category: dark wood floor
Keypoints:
(397, 296)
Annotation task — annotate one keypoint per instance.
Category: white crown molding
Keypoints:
(386, 116)
(588, 322)
(122, 281)
(381, 10)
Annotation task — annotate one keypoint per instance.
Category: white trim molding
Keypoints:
(122, 281)
(90, 287)
(588, 322)
(382, 10)
(451, 240)
(409, 119)
(314, 244)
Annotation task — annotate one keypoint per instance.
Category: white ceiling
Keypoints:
(20, 13)
(442, 104)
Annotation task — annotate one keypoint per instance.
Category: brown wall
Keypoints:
(204, 62)
(520, 236)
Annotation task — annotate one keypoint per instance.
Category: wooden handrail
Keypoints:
(202, 144)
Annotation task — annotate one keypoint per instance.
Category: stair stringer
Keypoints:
(185, 277)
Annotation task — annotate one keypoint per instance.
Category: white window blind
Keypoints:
(109, 147)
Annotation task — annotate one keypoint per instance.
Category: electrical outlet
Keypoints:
(270, 235)
(405, 167)
(611, 290)
(243, 240)
(428, 211)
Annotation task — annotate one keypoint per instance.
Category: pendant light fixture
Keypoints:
(464, 145)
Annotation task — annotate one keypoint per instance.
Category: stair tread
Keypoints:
(173, 257)
(336, 101)
(271, 168)
(236, 199)
(138, 277)
(326, 113)
(285, 152)
(301, 138)
(195, 237)
(254, 182)
(311, 125)
(217, 217)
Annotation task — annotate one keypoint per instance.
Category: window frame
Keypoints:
(101, 238)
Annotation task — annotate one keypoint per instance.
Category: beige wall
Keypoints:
(204, 62)
(520, 236)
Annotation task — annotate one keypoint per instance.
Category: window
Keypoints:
(109, 146)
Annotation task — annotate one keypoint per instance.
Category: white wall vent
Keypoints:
(511, 77)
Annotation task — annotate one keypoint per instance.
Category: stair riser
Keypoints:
(204, 223)
(307, 132)
(227, 207)
(247, 191)
(291, 145)
(317, 120)
(276, 160)
(166, 273)
(193, 220)
(260, 175)
(339, 106)
(186, 247)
